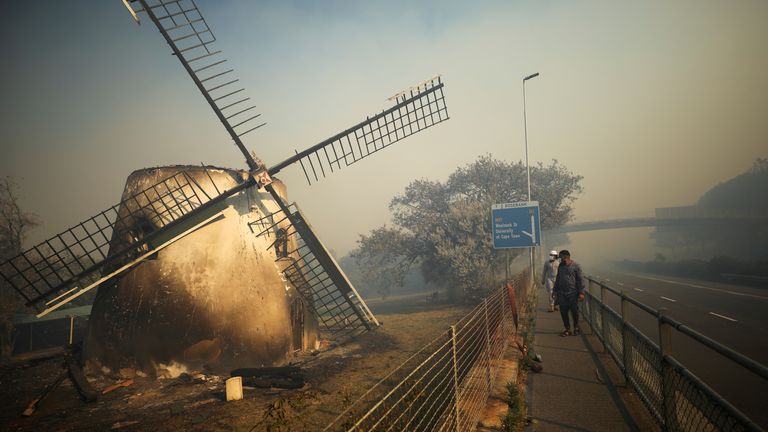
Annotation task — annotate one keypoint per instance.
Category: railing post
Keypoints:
(603, 293)
(487, 344)
(455, 379)
(665, 347)
(586, 308)
(625, 337)
(665, 333)
(603, 314)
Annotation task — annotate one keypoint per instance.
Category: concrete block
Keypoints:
(235, 388)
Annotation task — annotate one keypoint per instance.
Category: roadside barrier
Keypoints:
(676, 398)
(446, 384)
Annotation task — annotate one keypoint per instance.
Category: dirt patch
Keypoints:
(197, 402)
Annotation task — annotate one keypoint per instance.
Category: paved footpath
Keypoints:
(580, 387)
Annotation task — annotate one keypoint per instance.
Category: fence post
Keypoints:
(71, 328)
(455, 379)
(504, 302)
(487, 344)
(625, 344)
(665, 347)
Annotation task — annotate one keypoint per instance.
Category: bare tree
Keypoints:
(14, 226)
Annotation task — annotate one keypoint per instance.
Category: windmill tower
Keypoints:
(212, 266)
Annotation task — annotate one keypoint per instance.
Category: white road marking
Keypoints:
(723, 317)
(702, 287)
(638, 289)
(667, 298)
(620, 283)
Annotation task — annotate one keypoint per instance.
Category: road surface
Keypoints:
(733, 315)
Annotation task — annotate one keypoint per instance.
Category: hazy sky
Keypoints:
(652, 102)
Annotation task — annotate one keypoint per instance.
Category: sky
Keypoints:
(652, 102)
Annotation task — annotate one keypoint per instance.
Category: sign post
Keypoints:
(516, 225)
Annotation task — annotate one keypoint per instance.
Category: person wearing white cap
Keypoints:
(548, 276)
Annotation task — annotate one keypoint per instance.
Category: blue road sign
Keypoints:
(516, 225)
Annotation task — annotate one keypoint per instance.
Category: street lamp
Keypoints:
(525, 126)
(527, 167)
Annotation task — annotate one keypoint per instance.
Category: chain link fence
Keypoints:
(446, 384)
(676, 398)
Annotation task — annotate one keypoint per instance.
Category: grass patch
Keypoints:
(515, 418)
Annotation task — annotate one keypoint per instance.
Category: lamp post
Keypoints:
(527, 167)
(525, 126)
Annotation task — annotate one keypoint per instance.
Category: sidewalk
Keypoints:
(580, 388)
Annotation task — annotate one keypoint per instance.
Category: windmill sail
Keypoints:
(309, 267)
(191, 40)
(416, 110)
(71, 263)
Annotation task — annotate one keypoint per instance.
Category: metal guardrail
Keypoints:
(445, 385)
(677, 399)
(658, 222)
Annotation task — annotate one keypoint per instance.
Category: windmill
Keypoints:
(162, 207)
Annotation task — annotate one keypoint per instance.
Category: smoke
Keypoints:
(170, 370)
(597, 249)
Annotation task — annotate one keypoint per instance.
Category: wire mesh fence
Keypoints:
(643, 369)
(445, 385)
(690, 405)
(676, 398)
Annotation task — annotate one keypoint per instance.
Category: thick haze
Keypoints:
(652, 102)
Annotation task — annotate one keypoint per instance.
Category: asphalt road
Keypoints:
(735, 316)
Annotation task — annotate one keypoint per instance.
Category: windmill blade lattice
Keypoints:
(70, 263)
(191, 40)
(415, 111)
(311, 269)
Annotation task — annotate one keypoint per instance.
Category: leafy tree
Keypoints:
(14, 226)
(445, 228)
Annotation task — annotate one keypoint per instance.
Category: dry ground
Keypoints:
(334, 380)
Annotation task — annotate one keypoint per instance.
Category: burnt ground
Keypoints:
(197, 402)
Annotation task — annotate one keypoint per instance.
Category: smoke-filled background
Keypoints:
(654, 103)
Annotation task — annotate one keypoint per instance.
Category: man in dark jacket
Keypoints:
(569, 290)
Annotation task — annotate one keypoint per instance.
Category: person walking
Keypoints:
(548, 275)
(569, 290)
